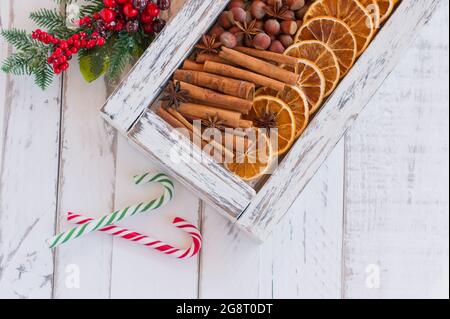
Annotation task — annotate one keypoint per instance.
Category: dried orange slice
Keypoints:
(296, 100)
(386, 8)
(373, 9)
(276, 117)
(265, 91)
(352, 12)
(336, 34)
(254, 160)
(311, 81)
(321, 56)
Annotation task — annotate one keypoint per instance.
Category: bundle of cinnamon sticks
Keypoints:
(223, 85)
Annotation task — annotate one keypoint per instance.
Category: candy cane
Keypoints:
(137, 238)
(119, 215)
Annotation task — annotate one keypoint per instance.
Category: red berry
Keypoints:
(64, 66)
(158, 25)
(107, 15)
(77, 43)
(132, 26)
(57, 51)
(101, 42)
(63, 45)
(152, 10)
(110, 3)
(164, 4)
(148, 28)
(119, 25)
(146, 18)
(96, 16)
(74, 50)
(122, 1)
(130, 11)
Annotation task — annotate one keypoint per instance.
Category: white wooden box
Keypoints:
(256, 211)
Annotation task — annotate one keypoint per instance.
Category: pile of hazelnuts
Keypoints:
(268, 24)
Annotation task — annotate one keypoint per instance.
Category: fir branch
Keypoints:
(17, 64)
(53, 21)
(49, 19)
(92, 7)
(43, 75)
(30, 58)
(121, 54)
(18, 38)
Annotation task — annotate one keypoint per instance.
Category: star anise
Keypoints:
(214, 122)
(174, 95)
(249, 30)
(278, 11)
(209, 45)
(268, 121)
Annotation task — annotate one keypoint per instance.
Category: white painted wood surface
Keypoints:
(381, 198)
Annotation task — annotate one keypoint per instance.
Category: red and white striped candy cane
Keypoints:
(138, 238)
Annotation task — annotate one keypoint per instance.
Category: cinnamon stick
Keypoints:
(245, 124)
(203, 57)
(204, 112)
(171, 120)
(220, 148)
(237, 73)
(259, 66)
(210, 97)
(191, 65)
(238, 88)
(268, 55)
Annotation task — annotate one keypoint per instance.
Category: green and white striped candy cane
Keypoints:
(119, 215)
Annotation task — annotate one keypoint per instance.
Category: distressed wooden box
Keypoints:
(256, 211)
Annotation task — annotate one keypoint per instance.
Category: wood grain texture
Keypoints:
(199, 172)
(307, 244)
(336, 115)
(225, 250)
(28, 174)
(140, 272)
(155, 67)
(86, 185)
(397, 178)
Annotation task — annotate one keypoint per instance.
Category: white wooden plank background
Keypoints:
(380, 202)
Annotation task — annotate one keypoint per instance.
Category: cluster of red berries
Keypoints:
(64, 49)
(117, 15)
(130, 15)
